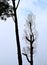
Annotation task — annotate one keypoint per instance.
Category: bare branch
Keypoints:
(17, 4)
(33, 38)
(26, 57)
(28, 39)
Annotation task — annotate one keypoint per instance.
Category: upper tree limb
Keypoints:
(17, 4)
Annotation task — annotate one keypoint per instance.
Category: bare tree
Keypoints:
(30, 38)
(6, 11)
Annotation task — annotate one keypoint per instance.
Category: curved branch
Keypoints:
(18, 4)
(28, 39)
(26, 57)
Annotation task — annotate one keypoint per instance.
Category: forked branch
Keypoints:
(17, 4)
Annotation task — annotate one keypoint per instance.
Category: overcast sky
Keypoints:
(8, 49)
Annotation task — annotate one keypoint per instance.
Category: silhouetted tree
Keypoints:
(30, 38)
(7, 10)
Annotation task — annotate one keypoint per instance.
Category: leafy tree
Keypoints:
(6, 10)
(30, 38)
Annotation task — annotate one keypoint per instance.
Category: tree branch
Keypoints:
(26, 57)
(28, 39)
(33, 38)
(18, 4)
(31, 41)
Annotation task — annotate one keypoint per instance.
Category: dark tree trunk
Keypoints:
(31, 51)
(17, 37)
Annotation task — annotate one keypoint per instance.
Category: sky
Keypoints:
(8, 48)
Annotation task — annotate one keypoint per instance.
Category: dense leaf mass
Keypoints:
(5, 11)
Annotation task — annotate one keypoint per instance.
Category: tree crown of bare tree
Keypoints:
(30, 38)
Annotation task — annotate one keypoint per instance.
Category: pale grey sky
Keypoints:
(8, 54)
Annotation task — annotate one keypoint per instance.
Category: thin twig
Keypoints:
(28, 39)
(26, 57)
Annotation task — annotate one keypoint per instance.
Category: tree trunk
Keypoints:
(31, 51)
(17, 37)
